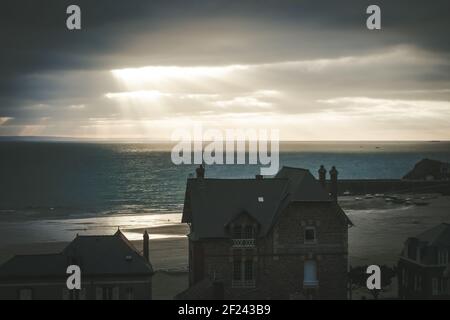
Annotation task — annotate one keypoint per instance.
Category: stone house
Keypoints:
(423, 268)
(266, 238)
(111, 269)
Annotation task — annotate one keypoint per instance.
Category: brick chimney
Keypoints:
(333, 184)
(200, 171)
(322, 176)
(146, 246)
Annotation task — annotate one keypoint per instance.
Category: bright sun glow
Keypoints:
(162, 73)
(155, 100)
(142, 94)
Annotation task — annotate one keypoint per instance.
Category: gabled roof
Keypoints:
(245, 214)
(214, 202)
(102, 255)
(436, 236)
(302, 185)
(96, 256)
(210, 204)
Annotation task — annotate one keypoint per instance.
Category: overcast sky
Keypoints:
(140, 69)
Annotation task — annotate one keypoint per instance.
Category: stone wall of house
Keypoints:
(290, 251)
(56, 289)
(415, 281)
(280, 256)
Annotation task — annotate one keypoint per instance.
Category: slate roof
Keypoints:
(102, 255)
(210, 204)
(436, 236)
(213, 202)
(302, 186)
(96, 256)
(42, 265)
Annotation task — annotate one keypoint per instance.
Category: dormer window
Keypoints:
(243, 236)
(310, 235)
(237, 232)
(243, 232)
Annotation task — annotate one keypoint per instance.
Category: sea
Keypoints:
(60, 181)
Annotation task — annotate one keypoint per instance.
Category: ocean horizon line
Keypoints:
(146, 140)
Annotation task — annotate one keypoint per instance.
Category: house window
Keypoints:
(243, 232)
(248, 270)
(310, 235)
(237, 270)
(130, 294)
(435, 286)
(26, 294)
(107, 293)
(405, 278)
(243, 273)
(310, 274)
(248, 232)
(417, 282)
(438, 286)
(74, 294)
(443, 257)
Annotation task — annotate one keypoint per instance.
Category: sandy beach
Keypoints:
(377, 237)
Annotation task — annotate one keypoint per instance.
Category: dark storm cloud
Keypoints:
(42, 63)
(34, 37)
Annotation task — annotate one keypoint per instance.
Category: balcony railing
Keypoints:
(243, 283)
(243, 243)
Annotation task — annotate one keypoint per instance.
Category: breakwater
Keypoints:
(383, 186)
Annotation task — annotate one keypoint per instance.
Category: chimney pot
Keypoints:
(146, 251)
(200, 171)
(334, 183)
(322, 176)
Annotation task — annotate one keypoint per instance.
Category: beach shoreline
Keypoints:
(377, 237)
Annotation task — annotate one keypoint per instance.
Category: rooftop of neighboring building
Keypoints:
(96, 255)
